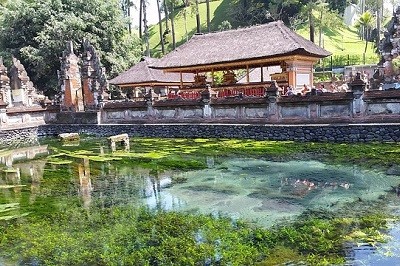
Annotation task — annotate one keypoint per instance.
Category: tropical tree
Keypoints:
(365, 23)
(160, 27)
(145, 36)
(36, 34)
(166, 12)
(208, 15)
(171, 4)
(140, 18)
(126, 6)
(376, 7)
(198, 29)
(185, 13)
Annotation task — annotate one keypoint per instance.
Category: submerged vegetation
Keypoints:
(57, 230)
(142, 237)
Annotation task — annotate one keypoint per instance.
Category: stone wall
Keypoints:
(19, 137)
(346, 107)
(318, 133)
(22, 117)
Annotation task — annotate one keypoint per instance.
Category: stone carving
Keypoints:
(389, 49)
(93, 75)
(69, 79)
(23, 92)
(5, 89)
(82, 79)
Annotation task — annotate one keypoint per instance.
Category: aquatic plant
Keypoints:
(115, 231)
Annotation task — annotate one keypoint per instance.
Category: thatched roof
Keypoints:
(141, 75)
(251, 46)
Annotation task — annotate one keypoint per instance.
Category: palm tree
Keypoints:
(166, 16)
(186, 2)
(140, 18)
(322, 8)
(308, 10)
(160, 26)
(208, 15)
(146, 29)
(198, 30)
(171, 5)
(365, 22)
(126, 6)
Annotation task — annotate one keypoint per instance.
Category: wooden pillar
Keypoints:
(247, 74)
(262, 74)
(212, 78)
(181, 76)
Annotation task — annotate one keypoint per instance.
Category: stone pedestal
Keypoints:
(206, 98)
(272, 93)
(357, 86)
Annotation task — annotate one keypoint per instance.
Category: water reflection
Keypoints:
(261, 191)
(85, 183)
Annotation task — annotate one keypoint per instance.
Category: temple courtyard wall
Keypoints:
(346, 107)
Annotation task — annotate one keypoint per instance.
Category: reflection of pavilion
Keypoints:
(15, 155)
(12, 176)
(267, 45)
(85, 183)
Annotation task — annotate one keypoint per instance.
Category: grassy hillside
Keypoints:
(218, 14)
(342, 42)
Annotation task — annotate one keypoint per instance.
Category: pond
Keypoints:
(265, 185)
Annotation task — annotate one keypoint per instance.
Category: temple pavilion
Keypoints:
(241, 51)
(140, 80)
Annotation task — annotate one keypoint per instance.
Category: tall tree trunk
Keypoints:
(208, 15)
(320, 28)
(140, 18)
(173, 25)
(378, 24)
(312, 27)
(160, 27)
(146, 30)
(185, 19)
(166, 15)
(130, 19)
(198, 29)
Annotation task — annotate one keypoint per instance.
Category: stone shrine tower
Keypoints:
(23, 92)
(5, 89)
(69, 78)
(82, 80)
(94, 79)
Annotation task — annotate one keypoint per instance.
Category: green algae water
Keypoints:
(73, 203)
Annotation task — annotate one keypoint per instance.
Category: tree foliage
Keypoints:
(250, 12)
(36, 32)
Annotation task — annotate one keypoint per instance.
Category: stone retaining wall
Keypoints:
(324, 133)
(19, 137)
(317, 133)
